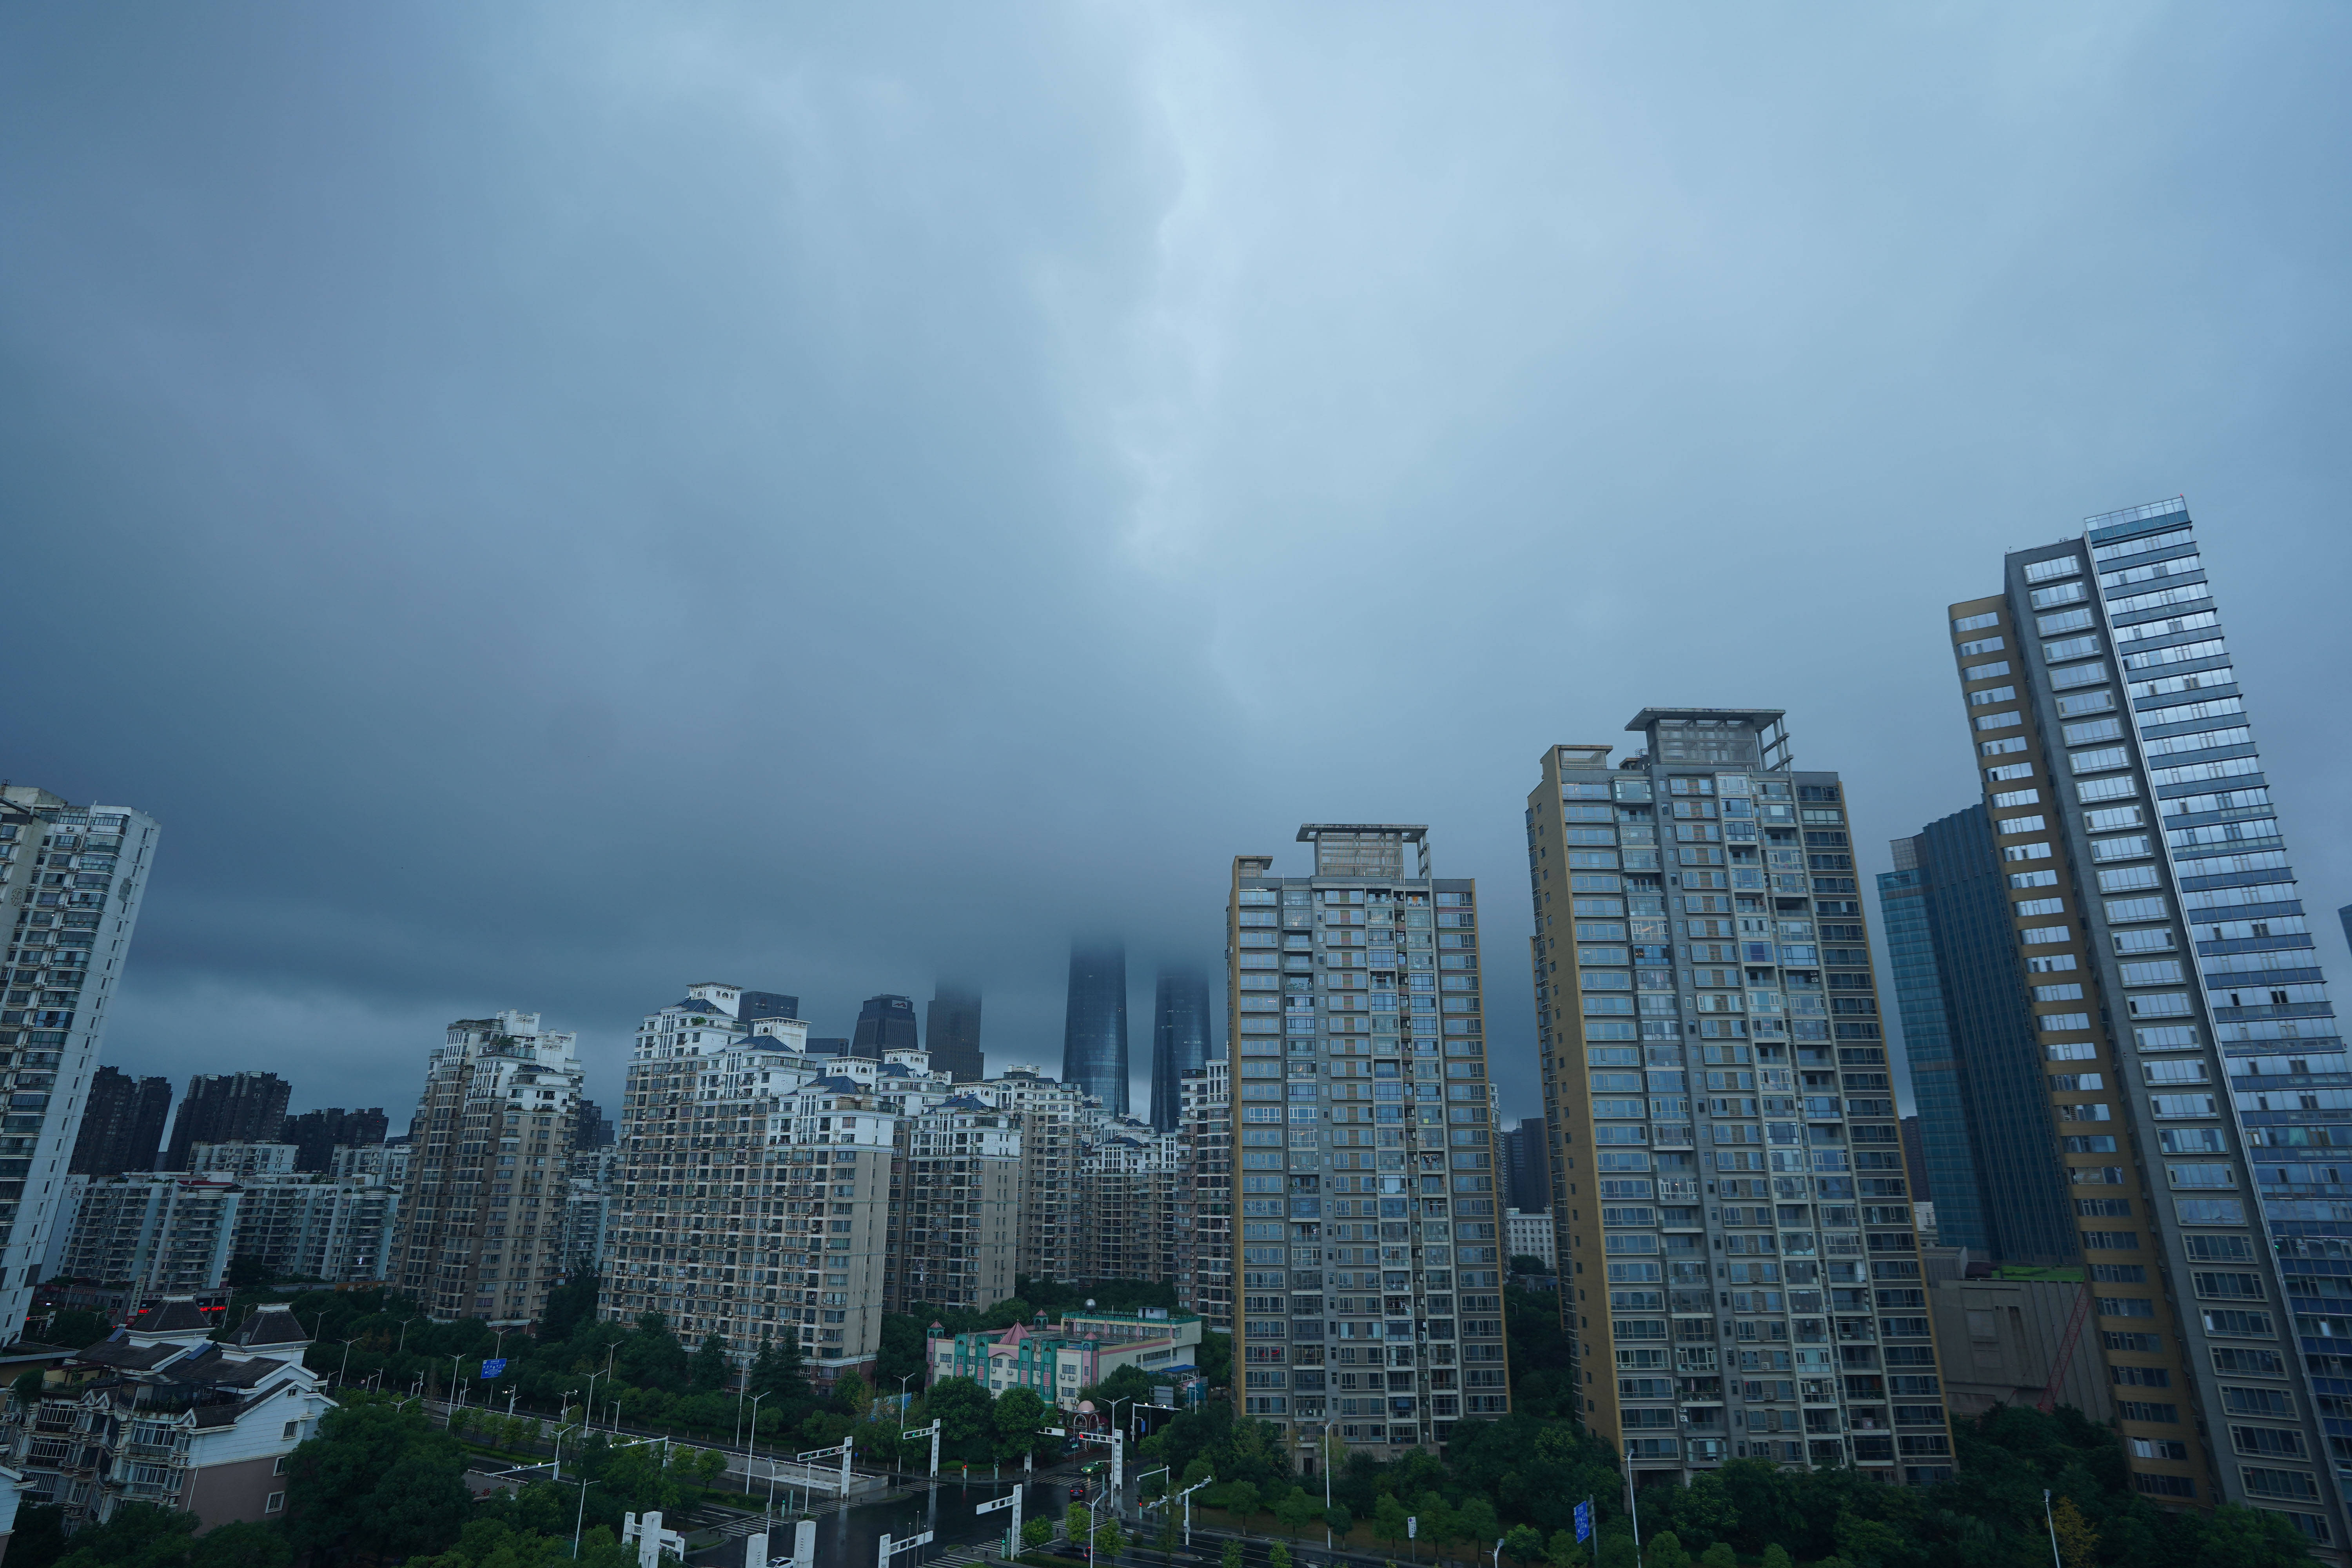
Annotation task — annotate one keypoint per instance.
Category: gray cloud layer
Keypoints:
(548, 503)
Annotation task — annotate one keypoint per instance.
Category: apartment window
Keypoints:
(292, 1427)
(274, 1503)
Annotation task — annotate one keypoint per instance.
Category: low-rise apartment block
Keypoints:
(158, 1412)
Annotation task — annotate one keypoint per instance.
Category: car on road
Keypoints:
(1078, 1490)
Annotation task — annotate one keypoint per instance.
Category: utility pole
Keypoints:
(1012, 1534)
(1185, 1497)
(882, 1556)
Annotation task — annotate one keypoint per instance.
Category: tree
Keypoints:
(1017, 1420)
(709, 1369)
(1776, 1556)
(1278, 1556)
(569, 1305)
(1214, 1356)
(2078, 1543)
(1036, 1532)
(75, 1329)
(1232, 1555)
(779, 1375)
(1338, 1521)
(1125, 1383)
(1110, 1539)
(1477, 1521)
(1871, 1543)
(377, 1478)
(1388, 1519)
(1619, 1552)
(1566, 1551)
(966, 1418)
(1523, 1544)
(852, 1395)
(139, 1533)
(1240, 1501)
(1293, 1510)
(1170, 1537)
(1438, 1523)
(2241, 1537)
(27, 1388)
(1719, 1555)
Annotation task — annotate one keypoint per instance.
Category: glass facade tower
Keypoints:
(1180, 1040)
(1739, 1270)
(2194, 1068)
(1976, 1068)
(1094, 1023)
(1946, 1155)
(1367, 1238)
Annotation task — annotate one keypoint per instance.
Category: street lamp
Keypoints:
(453, 1360)
(754, 1448)
(401, 1348)
(346, 1366)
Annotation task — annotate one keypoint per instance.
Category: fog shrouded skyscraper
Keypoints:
(1739, 1273)
(2191, 1058)
(951, 1032)
(1179, 1039)
(1094, 1026)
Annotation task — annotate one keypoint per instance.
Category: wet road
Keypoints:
(849, 1537)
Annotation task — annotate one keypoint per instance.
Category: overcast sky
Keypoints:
(550, 503)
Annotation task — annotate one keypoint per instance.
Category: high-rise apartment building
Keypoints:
(228, 1108)
(751, 1185)
(1368, 1243)
(150, 1233)
(885, 1024)
(951, 1032)
(1739, 1270)
(1206, 1124)
(481, 1221)
(122, 1124)
(1094, 1026)
(71, 878)
(1967, 1031)
(1131, 1178)
(1058, 1123)
(588, 1205)
(2189, 1052)
(316, 1134)
(955, 1207)
(1180, 1040)
(305, 1224)
(1529, 1171)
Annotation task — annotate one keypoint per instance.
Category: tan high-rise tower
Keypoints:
(1739, 1274)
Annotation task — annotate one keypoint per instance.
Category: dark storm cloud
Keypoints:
(550, 504)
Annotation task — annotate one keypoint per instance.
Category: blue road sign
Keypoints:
(1584, 1521)
(493, 1368)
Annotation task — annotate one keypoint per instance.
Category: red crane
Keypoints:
(2065, 1356)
